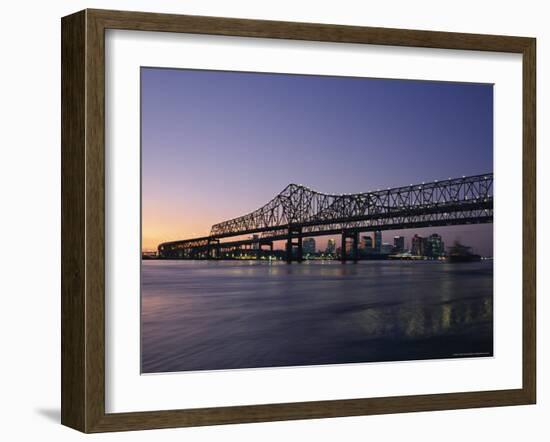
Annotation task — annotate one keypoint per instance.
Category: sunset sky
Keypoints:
(216, 145)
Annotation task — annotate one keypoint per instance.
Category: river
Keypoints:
(209, 315)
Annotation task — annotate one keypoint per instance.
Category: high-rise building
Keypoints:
(417, 245)
(308, 246)
(378, 241)
(435, 246)
(398, 244)
(331, 247)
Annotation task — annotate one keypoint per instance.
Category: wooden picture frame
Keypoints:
(83, 220)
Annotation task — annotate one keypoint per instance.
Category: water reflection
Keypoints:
(218, 315)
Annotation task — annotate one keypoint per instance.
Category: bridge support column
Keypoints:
(213, 249)
(289, 249)
(343, 251)
(355, 247)
(293, 233)
(299, 251)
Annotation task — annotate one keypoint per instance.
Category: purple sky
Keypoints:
(216, 145)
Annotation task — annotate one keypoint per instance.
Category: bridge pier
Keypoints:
(293, 233)
(288, 249)
(354, 236)
(356, 248)
(213, 246)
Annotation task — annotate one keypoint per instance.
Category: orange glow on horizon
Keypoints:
(162, 222)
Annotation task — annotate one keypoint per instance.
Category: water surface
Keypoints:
(207, 315)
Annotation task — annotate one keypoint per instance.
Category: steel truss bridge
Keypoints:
(299, 212)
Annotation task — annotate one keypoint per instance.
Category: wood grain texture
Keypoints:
(95, 222)
(83, 220)
(529, 221)
(145, 21)
(73, 252)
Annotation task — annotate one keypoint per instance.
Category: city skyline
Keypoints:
(449, 238)
(208, 134)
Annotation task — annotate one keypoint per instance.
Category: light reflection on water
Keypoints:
(206, 315)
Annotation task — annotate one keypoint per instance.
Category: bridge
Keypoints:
(299, 212)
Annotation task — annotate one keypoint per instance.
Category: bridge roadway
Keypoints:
(299, 212)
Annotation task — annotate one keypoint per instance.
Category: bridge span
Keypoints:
(299, 212)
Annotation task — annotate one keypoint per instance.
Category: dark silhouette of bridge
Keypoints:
(299, 212)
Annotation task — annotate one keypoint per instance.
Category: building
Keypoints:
(308, 246)
(418, 245)
(386, 249)
(398, 244)
(378, 241)
(431, 246)
(331, 247)
(435, 247)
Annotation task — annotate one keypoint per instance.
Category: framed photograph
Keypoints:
(269, 220)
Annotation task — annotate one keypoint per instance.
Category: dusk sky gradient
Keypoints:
(216, 145)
